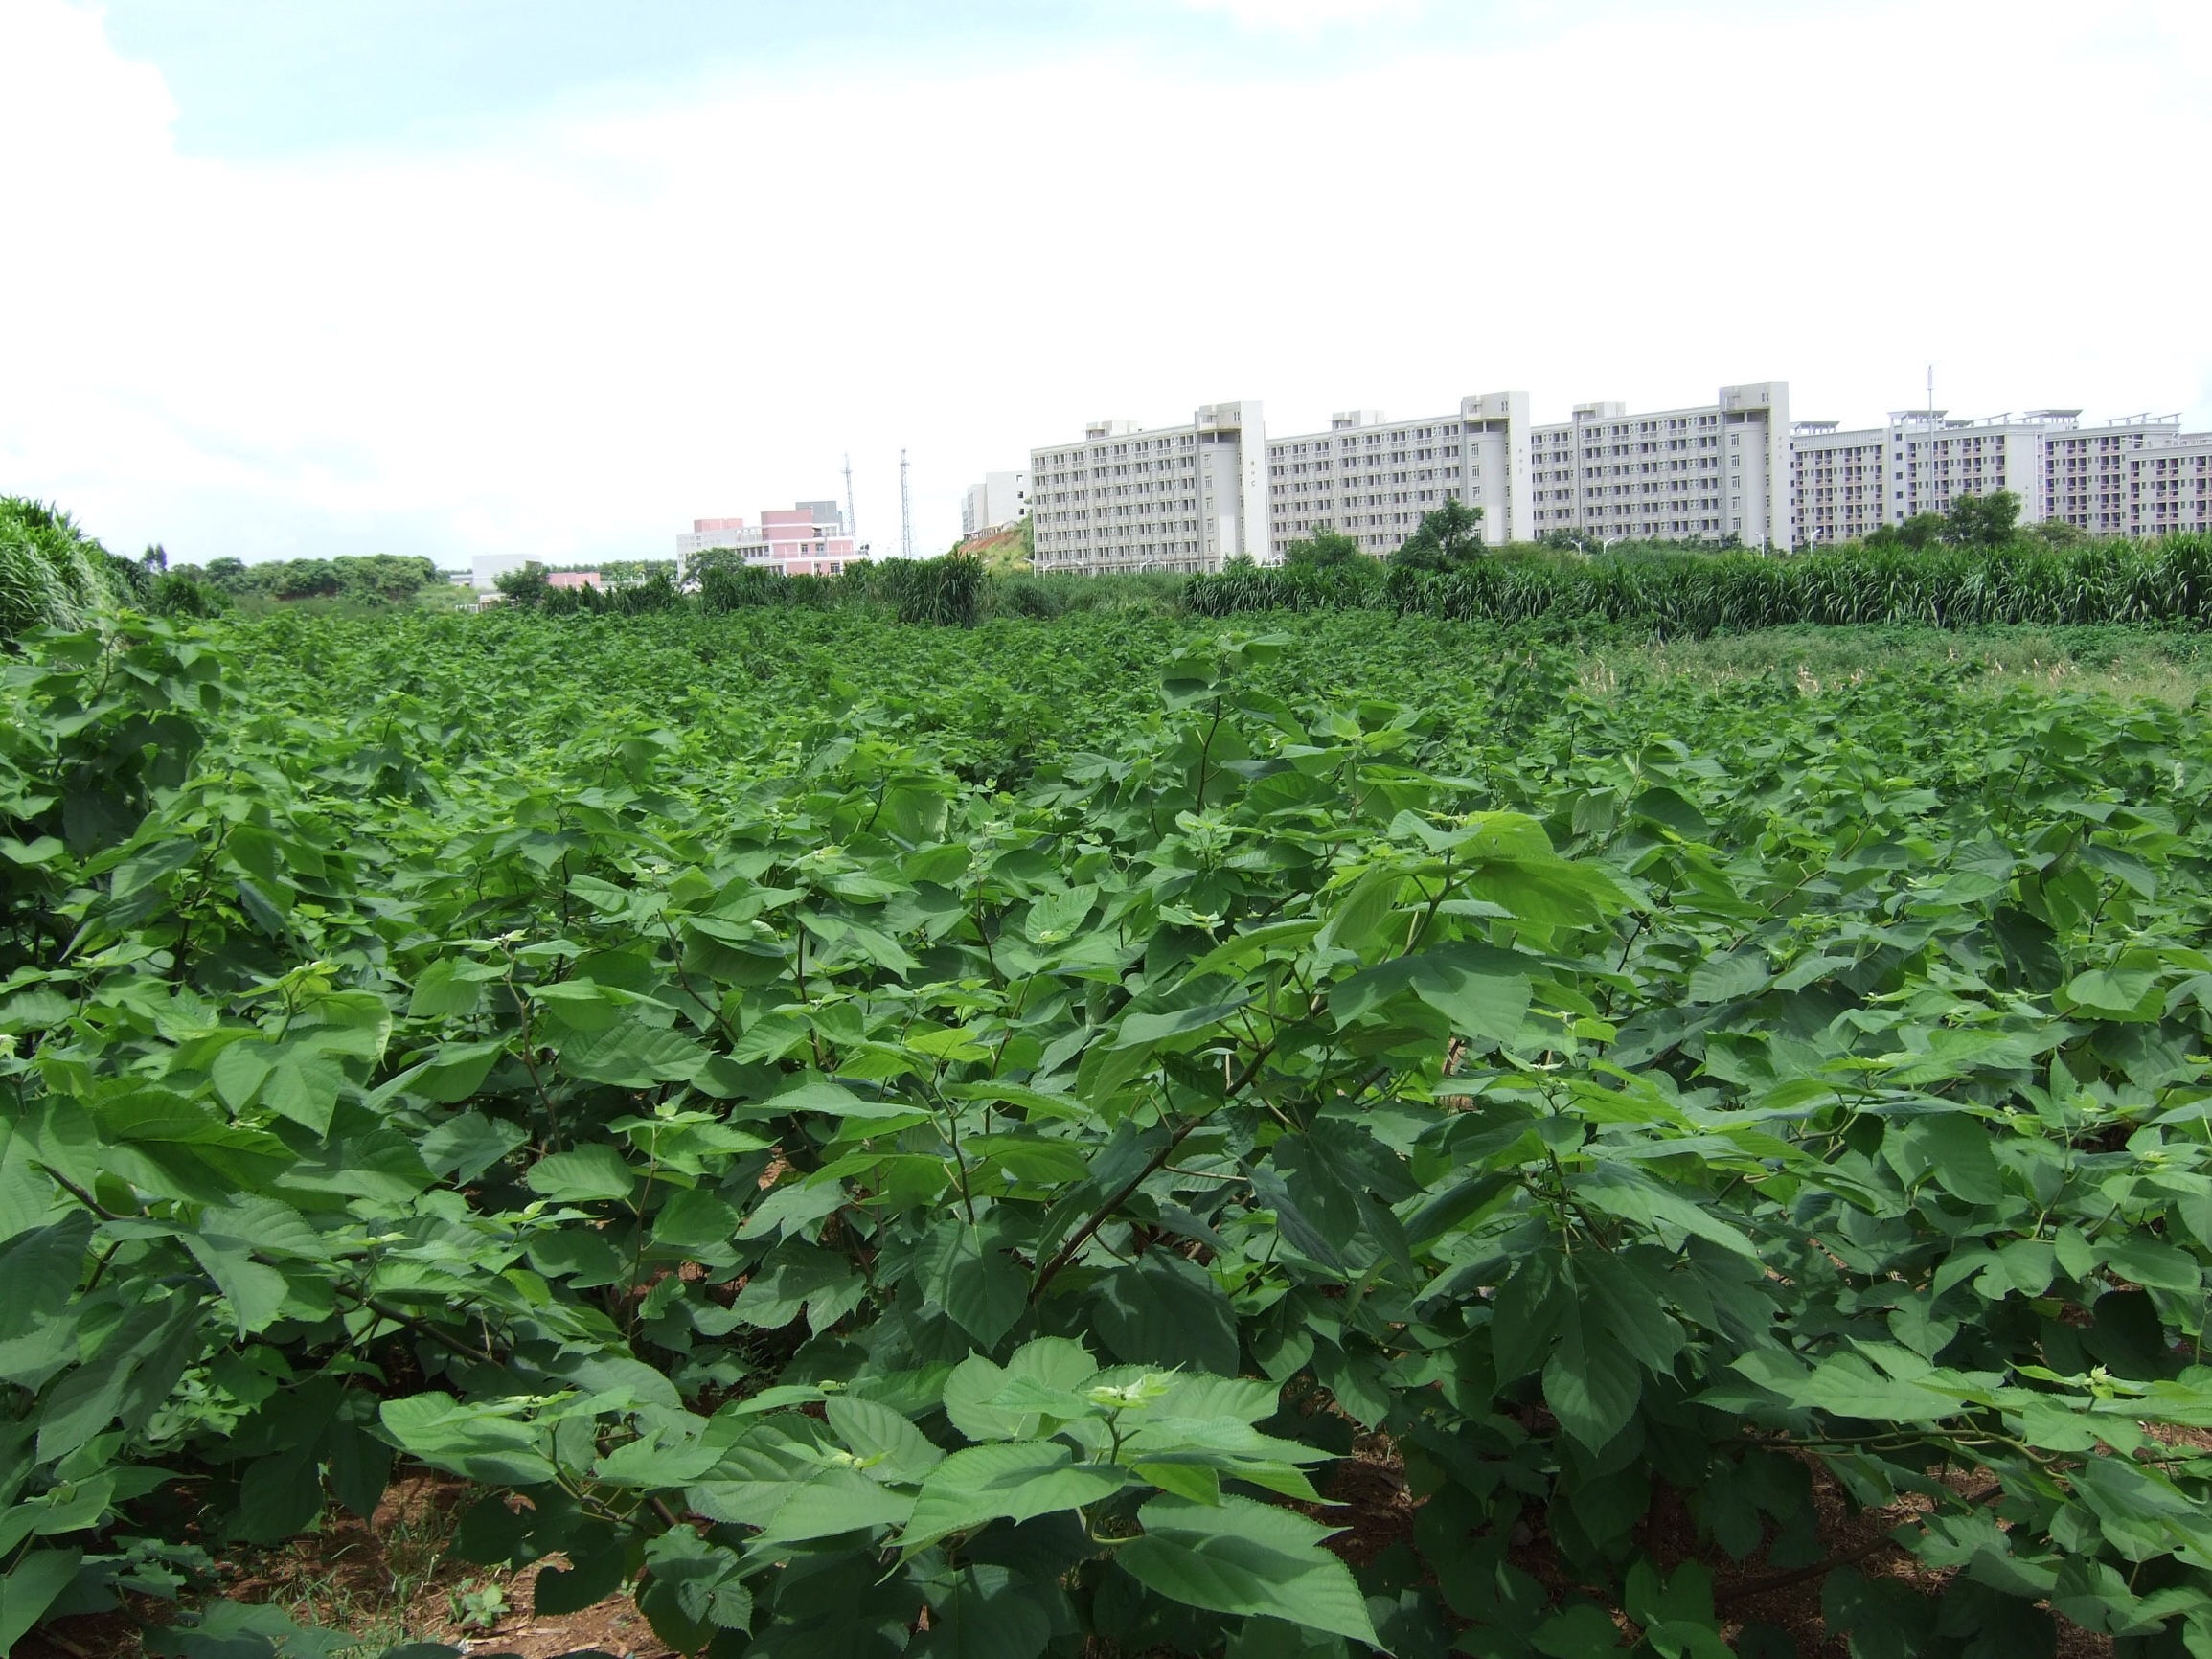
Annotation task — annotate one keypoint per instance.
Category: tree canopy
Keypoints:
(1449, 536)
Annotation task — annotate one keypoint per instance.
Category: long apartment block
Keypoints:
(1174, 498)
(1189, 498)
(1849, 482)
(1372, 479)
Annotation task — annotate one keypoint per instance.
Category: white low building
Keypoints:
(485, 569)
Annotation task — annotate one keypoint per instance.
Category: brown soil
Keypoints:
(387, 1579)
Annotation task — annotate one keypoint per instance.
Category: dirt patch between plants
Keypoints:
(388, 1580)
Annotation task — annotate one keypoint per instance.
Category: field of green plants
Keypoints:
(990, 1143)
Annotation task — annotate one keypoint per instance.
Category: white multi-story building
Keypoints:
(1713, 471)
(2170, 486)
(1839, 480)
(1849, 484)
(1177, 498)
(1000, 498)
(1372, 479)
(1935, 460)
(2086, 469)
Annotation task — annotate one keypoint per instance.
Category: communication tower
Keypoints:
(905, 512)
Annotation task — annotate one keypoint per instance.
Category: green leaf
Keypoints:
(2154, 1265)
(889, 1447)
(963, 1270)
(692, 1589)
(1578, 1632)
(1592, 1384)
(798, 1276)
(254, 1292)
(1481, 991)
(2106, 994)
(453, 1074)
(31, 1587)
(478, 1441)
(694, 1220)
(303, 1085)
(1169, 1312)
(43, 1268)
(1249, 1558)
(835, 1501)
(632, 1055)
(593, 1172)
(1014, 1480)
(1147, 1031)
(988, 1614)
(1053, 1362)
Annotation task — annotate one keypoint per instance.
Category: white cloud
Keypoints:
(573, 335)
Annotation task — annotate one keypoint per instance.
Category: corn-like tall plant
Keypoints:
(51, 574)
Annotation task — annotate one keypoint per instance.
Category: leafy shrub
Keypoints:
(662, 1067)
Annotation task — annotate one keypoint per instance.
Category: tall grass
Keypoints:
(51, 574)
(1691, 595)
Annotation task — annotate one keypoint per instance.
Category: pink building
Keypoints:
(574, 579)
(809, 539)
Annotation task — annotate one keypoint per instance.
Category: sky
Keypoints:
(557, 276)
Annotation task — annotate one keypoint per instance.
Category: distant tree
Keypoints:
(526, 587)
(1982, 521)
(306, 579)
(2056, 534)
(728, 559)
(1450, 536)
(1322, 550)
(227, 574)
(384, 575)
(155, 557)
(1915, 533)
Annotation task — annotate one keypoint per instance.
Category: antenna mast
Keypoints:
(905, 512)
(851, 530)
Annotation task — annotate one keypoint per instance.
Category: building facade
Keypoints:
(1372, 479)
(2170, 486)
(2088, 472)
(1851, 483)
(999, 498)
(1839, 480)
(1189, 498)
(1711, 471)
(811, 539)
(1178, 498)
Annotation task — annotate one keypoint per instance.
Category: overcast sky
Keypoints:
(558, 276)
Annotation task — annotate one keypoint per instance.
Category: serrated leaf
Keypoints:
(1249, 1558)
